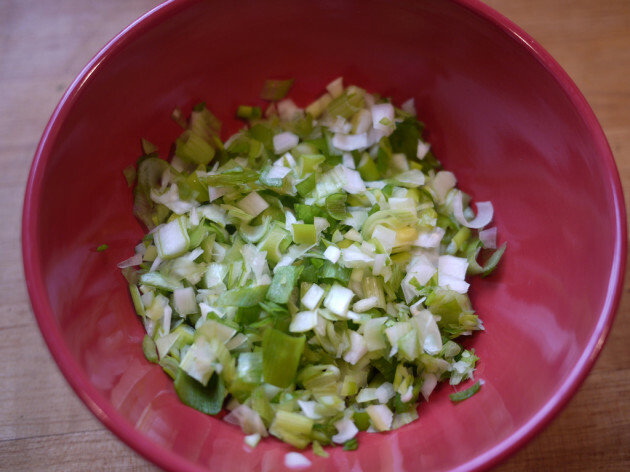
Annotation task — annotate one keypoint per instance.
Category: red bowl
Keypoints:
(499, 112)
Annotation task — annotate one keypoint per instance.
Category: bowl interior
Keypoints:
(498, 112)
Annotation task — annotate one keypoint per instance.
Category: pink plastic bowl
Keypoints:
(499, 111)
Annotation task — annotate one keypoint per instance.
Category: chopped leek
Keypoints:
(310, 273)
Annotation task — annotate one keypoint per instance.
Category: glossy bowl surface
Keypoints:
(499, 112)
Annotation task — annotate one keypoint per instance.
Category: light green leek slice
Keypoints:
(281, 357)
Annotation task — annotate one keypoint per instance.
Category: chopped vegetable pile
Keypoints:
(308, 274)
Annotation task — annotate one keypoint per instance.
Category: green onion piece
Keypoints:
(208, 399)
(311, 162)
(194, 148)
(149, 349)
(361, 420)
(249, 371)
(130, 175)
(281, 357)
(384, 155)
(304, 234)
(170, 365)
(137, 301)
(307, 185)
(308, 213)
(474, 267)
(148, 147)
(274, 90)
(292, 428)
(336, 205)
(275, 242)
(318, 450)
(465, 394)
(233, 177)
(405, 138)
(351, 445)
(346, 104)
(102, 247)
(367, 169)
(284, 280)
(248, 112)
(460, 239)
(260, 403)
(157, 280)
(244, 297)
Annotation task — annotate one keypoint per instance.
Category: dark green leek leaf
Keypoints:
(465, 394)
(208, 399)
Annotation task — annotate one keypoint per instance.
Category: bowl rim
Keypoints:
(169, 460)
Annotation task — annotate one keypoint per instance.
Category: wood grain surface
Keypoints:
(45, 43)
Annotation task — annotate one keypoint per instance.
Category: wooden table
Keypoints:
(44, 44)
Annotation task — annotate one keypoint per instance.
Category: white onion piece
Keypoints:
(249, 420)
(488, 238)
(295, 460)
(442, 183)
(383, 111)
(423, 148)
(284, 141)
(134, 260)
(409, 107)
(287, 109)
(335, 88)
(346, 431)
(355, 182)
(428, 385)
(485, 211)
(309, 408)
(350, 142)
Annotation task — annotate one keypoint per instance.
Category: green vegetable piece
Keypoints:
(307, 213)
(208, 399)
(281, 357)
(347, 104)
(244, 297)
(465, 394)
(194, 148)
(275, 242)
(130, 175)
(137, 300)
(351, 445)
(474, 267)
(336, 205)
(260, 403)
(232, 177)
(304, 234)
(318, 450)
(361, 420)
(149, 349)
(292, 428)
(148, 147)
(274, 90)
(330, 272)
(384, 155)
(157, 280)
(405, 138)
(306, 186)
(368, 169)
(248, 112)
(170, 365)
(248, 375)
